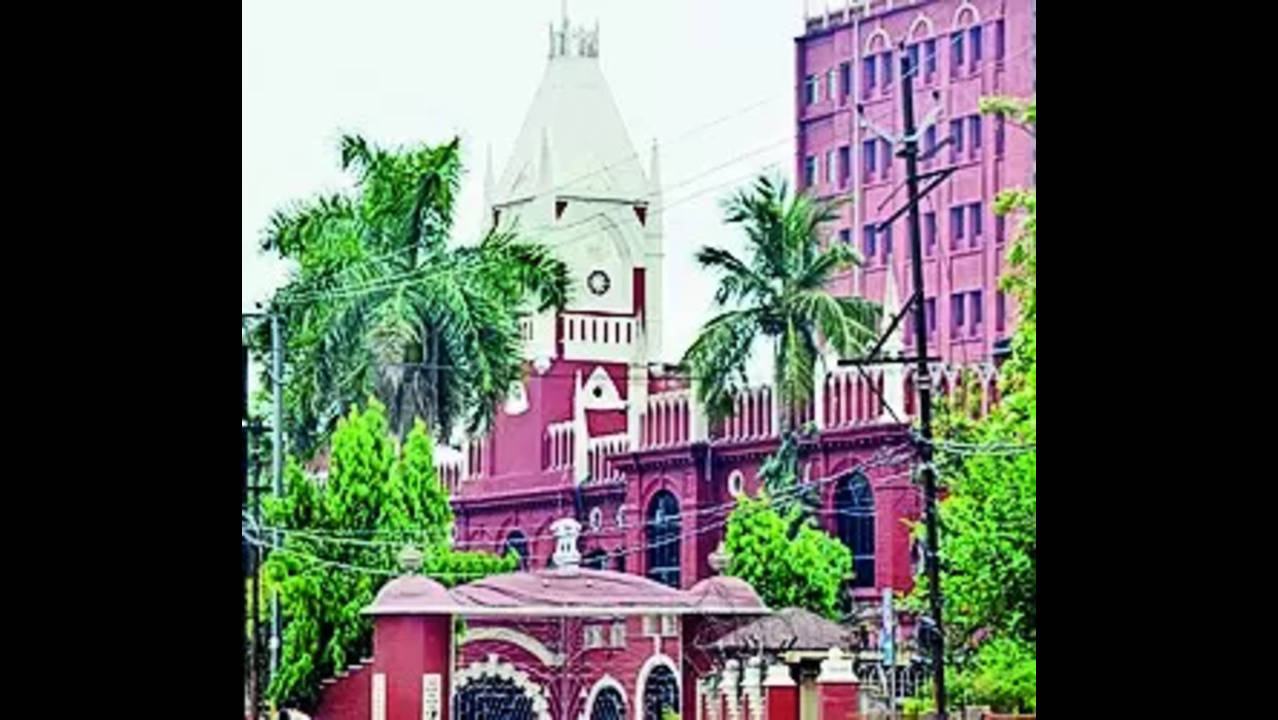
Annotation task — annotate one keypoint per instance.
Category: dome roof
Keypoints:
(725, 595)
(412, 594)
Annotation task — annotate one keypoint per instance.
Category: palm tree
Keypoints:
(777, 294)
(381, 304)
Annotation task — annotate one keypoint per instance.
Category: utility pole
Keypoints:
(923, 379)
(277, 469)
(244, 545)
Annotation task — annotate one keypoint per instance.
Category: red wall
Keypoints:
(406, 647)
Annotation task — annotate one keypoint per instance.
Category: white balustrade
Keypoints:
(600, 337)
(598, 449)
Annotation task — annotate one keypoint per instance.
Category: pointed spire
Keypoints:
(654, 171)
(488, 180)
(545, 177)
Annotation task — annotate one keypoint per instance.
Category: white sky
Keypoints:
(407, 71)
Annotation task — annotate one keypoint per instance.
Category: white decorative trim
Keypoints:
(493, 668)
(921, 19)
(641, 680)
(731, 674)
(752, 686)
(778, 676)
(607, 681)
(736, 483)
(976, 15)
(529, 643)
(379, 696)
(837, 668)
(887, 42)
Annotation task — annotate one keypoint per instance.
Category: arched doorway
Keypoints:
(661, 691)
(663, 539)
(519, 543)
(608, 705)
(489, 697)
(854, 508)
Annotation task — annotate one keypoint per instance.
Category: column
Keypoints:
(782, 695)
(837, 686)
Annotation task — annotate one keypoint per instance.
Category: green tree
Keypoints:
(779, 294)
(988, 519)
(806, 568)
(341, 543)
(380, 303)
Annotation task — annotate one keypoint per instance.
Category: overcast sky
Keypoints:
(410, 71)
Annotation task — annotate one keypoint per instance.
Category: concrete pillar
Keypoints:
(731, 702)
(782, 694)
(752, 689)
(837, 688)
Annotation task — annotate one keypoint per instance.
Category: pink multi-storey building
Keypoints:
(850, 57)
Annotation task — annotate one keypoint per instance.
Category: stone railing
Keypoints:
(667, 419)
(599, 337)
(597, 451)
(557, 446)
(754, 416)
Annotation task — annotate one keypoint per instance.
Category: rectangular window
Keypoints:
(930, 309)
(887, 244)
(956, 227)
(999, 123)
(867, 160)
(956, 140)
(649, 624)
(1000, 311)
(809, 171)
(809, 90)
(867, 242)
(845, 166)
(913, 53)
(845, 79)
(929, 140)
(974, 125)
(975, 34)
(829, 167)
(929, 60)
(999, 229)
(977, 312)
(998, 41)
(974, 211)
(668, 626)
(867, 77)
(887, 71)
(618, 638)
(829, 84)
(593, 636)
(956, 312)
(886, 166)
(845, 236)
(929, 232)
(956, 53)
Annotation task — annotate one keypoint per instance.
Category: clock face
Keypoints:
(598, 282)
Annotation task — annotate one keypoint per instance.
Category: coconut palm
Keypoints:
(777, 294)
(380, 303)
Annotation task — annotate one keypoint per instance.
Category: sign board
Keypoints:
(431, 684)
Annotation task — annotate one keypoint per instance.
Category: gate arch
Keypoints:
(495, 690)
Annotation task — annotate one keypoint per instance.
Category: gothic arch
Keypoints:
(605, 682)
(871, 46)
(974, 19)
(641, 680)
(922, 20)
(661, 537)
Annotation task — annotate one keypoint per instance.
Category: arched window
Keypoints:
(854, 508)
(517, 542)
(660, 692)
(663, 539)
(493, 697)
(596, 559)
(608, 705)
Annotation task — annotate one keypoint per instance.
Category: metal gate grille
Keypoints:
(660, 692)
(492, 698)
